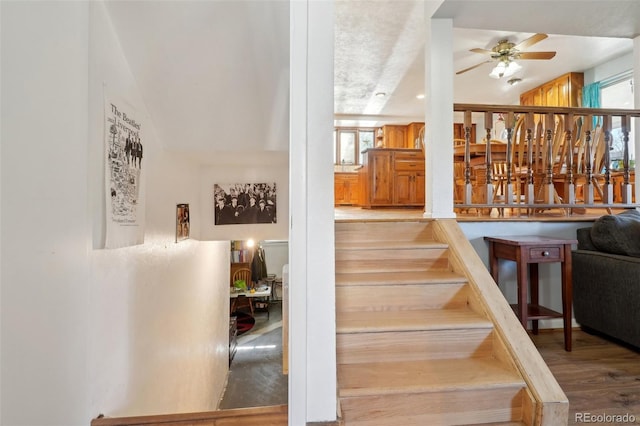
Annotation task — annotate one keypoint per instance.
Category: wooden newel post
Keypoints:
(468, 188)
(607, 191)
(549, 190)
(627, 191)
(488, 192)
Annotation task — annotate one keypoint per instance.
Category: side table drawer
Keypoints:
(547, 254)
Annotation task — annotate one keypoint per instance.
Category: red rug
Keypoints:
(244, 322)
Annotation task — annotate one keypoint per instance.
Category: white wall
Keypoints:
(133, 331)
(45, 239)
(245, 167)
(159, 317)
(276, 253)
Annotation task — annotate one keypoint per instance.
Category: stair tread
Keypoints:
(399, 278)
(386, 245)
(409, 320)
(384, 378)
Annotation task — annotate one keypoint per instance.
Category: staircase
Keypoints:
(412, 348)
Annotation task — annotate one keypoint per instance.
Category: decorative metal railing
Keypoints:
(547, 158)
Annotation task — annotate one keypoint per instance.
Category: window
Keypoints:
(349, 144)
(617, 92)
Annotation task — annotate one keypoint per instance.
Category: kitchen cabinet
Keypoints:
(408, 178)
(458, 131)
(413, 133)
(346, 189)
(392, 177)
(563, 91)
(394, 136)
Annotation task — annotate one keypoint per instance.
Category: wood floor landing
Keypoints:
(598, 376)
(352, 214)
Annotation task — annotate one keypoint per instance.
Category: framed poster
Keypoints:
(244, 203)
(124, 174)
(182, 222)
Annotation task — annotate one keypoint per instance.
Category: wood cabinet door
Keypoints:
(352, 190)
(381, 175)
(419, 182)
(338, 190)
(403, 186)
(394, 136)
(409, 188)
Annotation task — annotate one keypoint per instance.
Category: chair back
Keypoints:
(243, 274)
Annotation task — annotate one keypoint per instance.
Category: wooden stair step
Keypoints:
(386, 245)
(498, 405)
(385, 378)
(384, 230)
(414, 345)
(401, 297)
(409, 320)
(398, 278)
(438, 262)
(390, 254)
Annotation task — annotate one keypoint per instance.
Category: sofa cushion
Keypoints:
(618, 234)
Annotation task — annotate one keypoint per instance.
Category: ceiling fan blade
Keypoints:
(530, 41)
(470, 68)
(536, 55)
(482, 51)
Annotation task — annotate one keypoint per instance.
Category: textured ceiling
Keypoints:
(384, 50)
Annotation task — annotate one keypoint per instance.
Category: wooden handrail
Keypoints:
(275, 415)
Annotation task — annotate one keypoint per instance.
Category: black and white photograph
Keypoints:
(243, 203)
(182, 222)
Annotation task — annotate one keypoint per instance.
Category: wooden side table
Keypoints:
(532, 250)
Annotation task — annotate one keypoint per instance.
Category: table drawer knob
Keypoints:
(545, 253)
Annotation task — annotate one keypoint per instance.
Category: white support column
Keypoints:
(439, 117)
(312, 332)
(636, 105)
(298, 215)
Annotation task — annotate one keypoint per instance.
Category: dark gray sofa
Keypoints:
(606, 277)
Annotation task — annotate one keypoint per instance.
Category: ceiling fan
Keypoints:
(505, 53)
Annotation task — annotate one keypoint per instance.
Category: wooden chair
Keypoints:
(245, 275)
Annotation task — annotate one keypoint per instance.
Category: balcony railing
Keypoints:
(548, 158)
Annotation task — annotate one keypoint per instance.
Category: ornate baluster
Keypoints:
(569, 185)
(488, 123)
(508, 193)
(588, 161)
(626, 185)
(529, 123)
(468, 190)
(607, 193)
(549, 190)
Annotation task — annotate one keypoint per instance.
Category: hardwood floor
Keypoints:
(352, 213)
(599, 377)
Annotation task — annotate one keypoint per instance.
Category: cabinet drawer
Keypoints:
(409, 165)
(551, 254)
(410, 155)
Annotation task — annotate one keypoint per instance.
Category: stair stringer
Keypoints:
(549, 405)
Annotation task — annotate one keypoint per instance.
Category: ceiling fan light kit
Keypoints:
(505, 69)
(505, 53)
